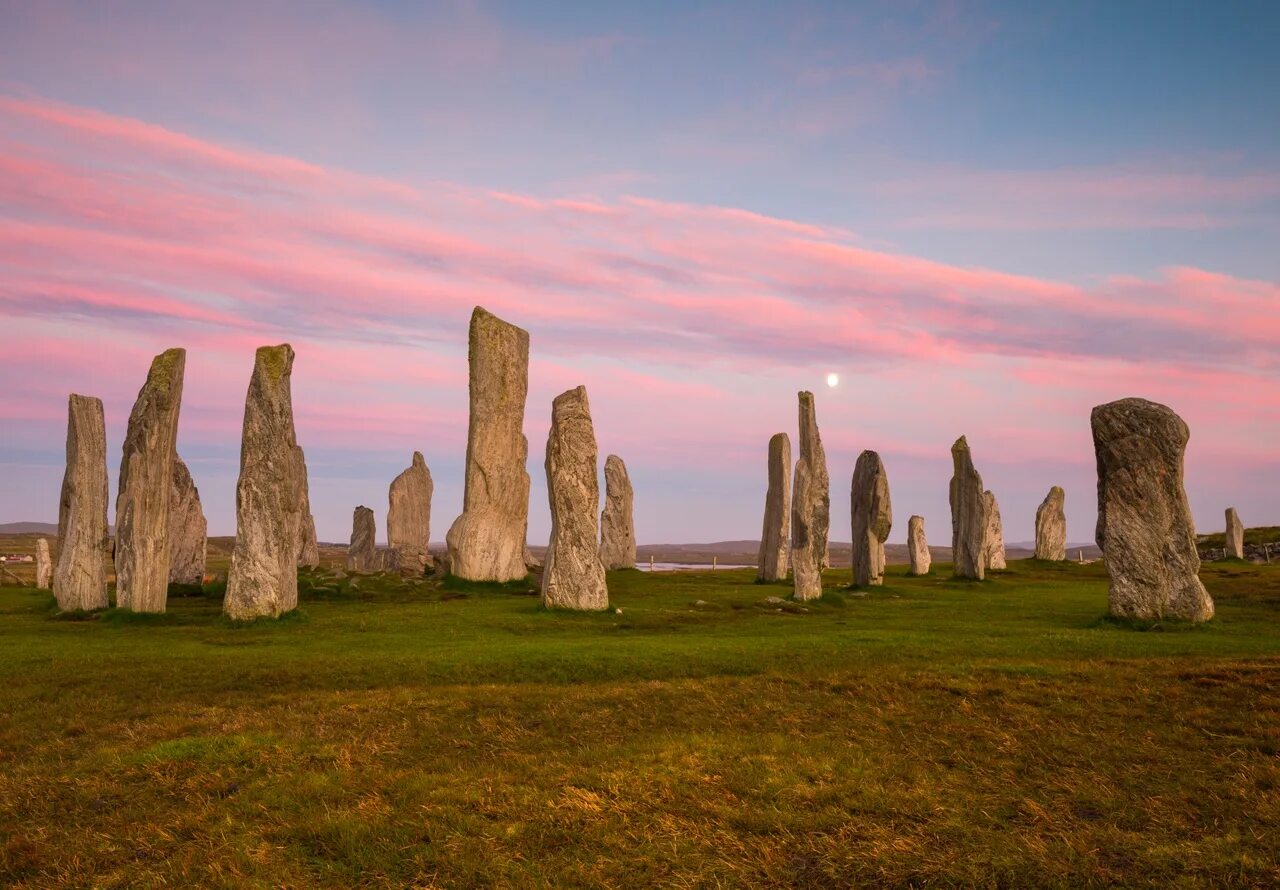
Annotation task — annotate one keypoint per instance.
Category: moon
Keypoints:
(833, 380)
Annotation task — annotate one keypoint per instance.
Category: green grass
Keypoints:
(924, 733)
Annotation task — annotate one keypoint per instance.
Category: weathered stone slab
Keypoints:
(80, 577)
(44, 566)
(1235, 535)
(409, 516)
(775, 544)
(1051, 526)
(573, 576)
(308, 547)
(617, 525)
(362, 554)
(487, 542)
(968, 515)
(871, 513)
(993, 540)
(188, 529)
(1145, 528)
(810, 506)
(917, 547)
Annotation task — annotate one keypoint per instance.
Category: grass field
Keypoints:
(927, 733)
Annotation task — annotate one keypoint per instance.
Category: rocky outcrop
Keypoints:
(1235, 535)
(968, 515)
(188, 530)
(44, 566)
(810, 506)
(872, 518)
(775, 544)
(146, 482)
(573, 576)
(617, 526)
(263, 578)
(80, 577)
(993, 540)
(918, 547)
(1145, 528)
(487, 542)
(362, 554)
(1051, 527)
(308, 547)
(409, 517)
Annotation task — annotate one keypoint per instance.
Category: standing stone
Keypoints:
(872, 515)
(1145, 529)
(993, 540)
(146, 481)
(263, 579)
(44, 568)
(188, 530)
(80, 577)
(1235, 535)
(308, 548)
(774, 543)
(617, 526)
(487, 542)
(810, 506)
(573, 576)
(918, 547)
(362, 555)
(1051, 527)
(409, 518)
(968, 515)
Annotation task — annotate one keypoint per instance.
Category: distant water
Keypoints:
(687, 566)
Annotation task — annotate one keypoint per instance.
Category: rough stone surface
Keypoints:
(918, 547)
(1145, 529)
(409, 517)
(573, 576)
(1235, 535)
(188, 530)
(362, 555)
(1051, 526)
(80, 577)
(487, 542)
(263, 579)
(871, 513)
(308, 547)
(775, 545)
(44, 568)
(993, 540)
(146, 484)
(617, 526)
(968, 515)
(810, 506)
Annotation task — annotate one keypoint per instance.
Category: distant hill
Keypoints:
(28, 528)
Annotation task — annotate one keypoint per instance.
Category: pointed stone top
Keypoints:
(571, 401)
(1057, 492)
(961, 444)
(418, 459)
(779, 437)
(482, 316)
(276, 361)
(614, 460)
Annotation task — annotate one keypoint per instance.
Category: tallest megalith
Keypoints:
(487, 542)
(80, 578)
(810, 506)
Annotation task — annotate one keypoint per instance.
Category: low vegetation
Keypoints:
(393, 733)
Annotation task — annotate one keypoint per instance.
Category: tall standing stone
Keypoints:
(44, 568)
(1235, 535)
(188, 530)
(362, 555)
(308, 547)
(487, 542)
(1145, 529)
(409, 517)
(993, 540)
(810, 506)
(263, 579)
(918, 547)
(146, 480)
(968, 515)
(1051, 526)
(617, 525)
(80, 577)
(573, 576)
(872, 517)
(775, 545)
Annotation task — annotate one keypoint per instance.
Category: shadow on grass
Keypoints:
(1158, 625)
(521, 587)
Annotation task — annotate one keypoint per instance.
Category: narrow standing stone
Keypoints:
(308, 548)
(918, 547)
(362, 555)
(573, 577)
(263, 579)
(774, 537)
(872, 517)
(409, 517)
(617, 525)
(80, 577)
(487, 542)
(146, 480)
(968, 515)
(1145, 528)
(993, 540)
(1235, 535)
(44, 568)
(1051, 527)
(188, 529)
(810, 506)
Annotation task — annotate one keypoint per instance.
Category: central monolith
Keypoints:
(487, 542)
(1234, 538)
(968, 515)
(1051, 526)
(44, 568)
(810, 506)
(918, 547)
(409, 516)
(572, 575)
(308, 547)
(362, 554)
(80, 577)
(993, 540)
(872, 518)
(775, 544)
(188, 529)
(617, 525)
